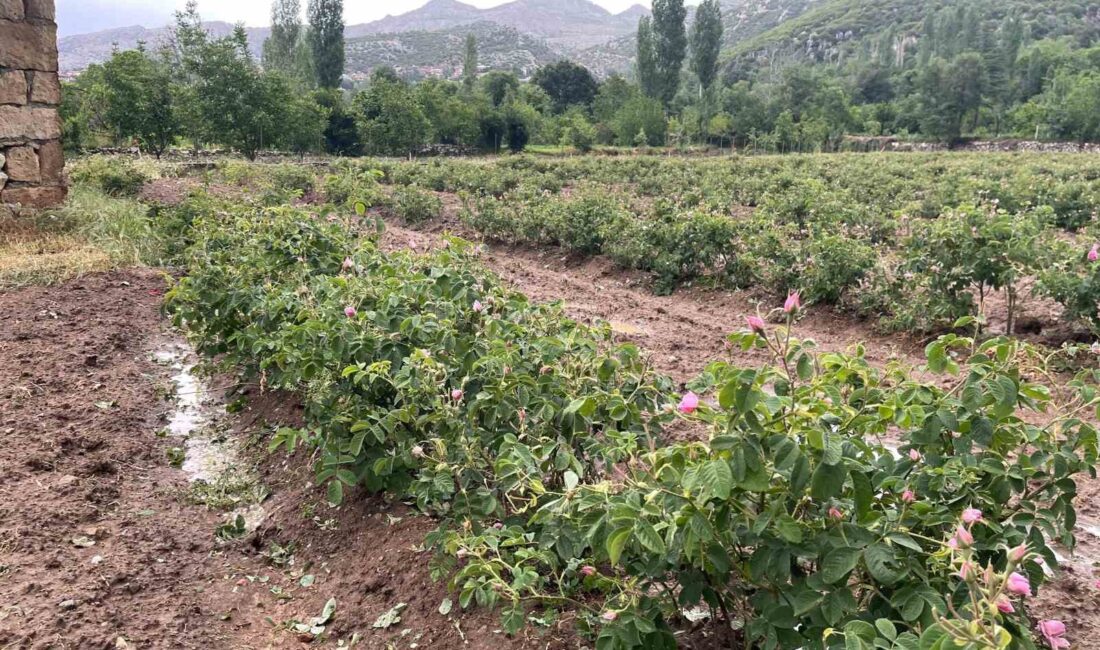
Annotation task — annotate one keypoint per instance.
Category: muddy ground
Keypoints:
(102, 544)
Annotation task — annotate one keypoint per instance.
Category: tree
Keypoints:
(577, 131)
(706, 42)
(469, 63)
(640, 114)
(391, 120)
(286, 29)
(1079, 115)
(139, 100)
(720, 127)
(306, 121)
(647, 58)
(669, 46)
(497, 84)
(326, 40)
(567, 84)
(240, 106)
(341, 134)
(453, 118)
(519, 122)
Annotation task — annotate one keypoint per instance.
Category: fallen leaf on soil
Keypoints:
(391, 617)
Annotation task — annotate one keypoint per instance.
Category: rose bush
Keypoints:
(811, 508)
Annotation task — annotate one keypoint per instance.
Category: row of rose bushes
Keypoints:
(540, 445)
(915, 184)
(834, 247)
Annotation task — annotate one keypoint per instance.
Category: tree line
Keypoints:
(964, 74)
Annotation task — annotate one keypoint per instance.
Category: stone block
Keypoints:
(3, 180)
(13, 87)
(34, 197)
(51, 161)
(11, 9)
(43, 9)
(22, 165)
(45, 88)
(29, 123)
(28, 46)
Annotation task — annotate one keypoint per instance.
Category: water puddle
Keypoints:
(210, 456)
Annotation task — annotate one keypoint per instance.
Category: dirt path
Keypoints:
(95, 544)
(102, 546)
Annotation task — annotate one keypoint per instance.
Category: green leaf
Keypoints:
(615, 543)
(335, 492)
(789, 529)
(647, 535)
(881, 563)
(513, 618)
(886, 628)
(838, 563)
(827, 481)
(716, 475)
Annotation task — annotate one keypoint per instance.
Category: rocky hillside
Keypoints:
(564, 24)
(440, 53)
(830, 29)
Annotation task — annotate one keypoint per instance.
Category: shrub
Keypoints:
(116, 176)
(537, 443)
(415, 205)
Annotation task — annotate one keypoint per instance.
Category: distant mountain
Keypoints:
(81, 50)
(565, 24)
(829, 30)
(440, 53)
(562, 26)
(741, 19)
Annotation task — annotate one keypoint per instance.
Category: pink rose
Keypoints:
(349, 311)
(609, 616)
(1004, 605)
(835, 513)
(908, 496)
(1054, 634)
(689, 403)
(1018, 553)
(348, 264)
(1018, 584)
(970, 515)
(1094, 253)
(793, 303)
(588, 570)
(478, 307)
(914, 455)
(963, 536)
(756, 324)
(456, 394)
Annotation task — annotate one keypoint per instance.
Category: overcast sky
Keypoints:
(82, 16)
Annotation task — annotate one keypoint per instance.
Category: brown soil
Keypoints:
(81, 401)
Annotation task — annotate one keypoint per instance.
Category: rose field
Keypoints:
(602, 401)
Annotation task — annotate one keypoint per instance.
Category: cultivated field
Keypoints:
(555, 402)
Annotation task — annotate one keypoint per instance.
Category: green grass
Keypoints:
(92, 232)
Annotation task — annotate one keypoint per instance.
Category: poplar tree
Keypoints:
(706, 42)
(326, 41)
(286, 29)
(669, 46)
(647, 58)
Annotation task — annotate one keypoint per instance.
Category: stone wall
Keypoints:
(31, 161)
